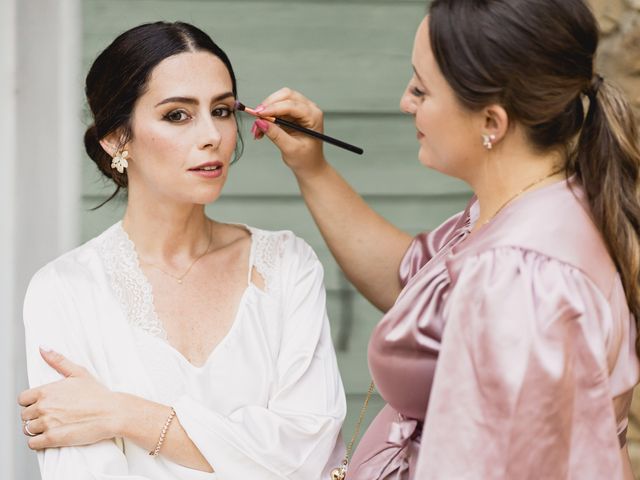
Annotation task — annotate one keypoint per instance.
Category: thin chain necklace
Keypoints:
(532, 184)
(340, 473)
(180, 278)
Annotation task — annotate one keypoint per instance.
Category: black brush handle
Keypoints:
(324, 138)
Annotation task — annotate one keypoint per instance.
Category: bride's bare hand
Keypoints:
(77, 410)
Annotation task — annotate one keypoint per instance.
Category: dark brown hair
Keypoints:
(119, 76)
(536, 59)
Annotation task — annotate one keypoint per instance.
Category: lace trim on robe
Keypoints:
(135, 294)
(267, 250)
(129, 283)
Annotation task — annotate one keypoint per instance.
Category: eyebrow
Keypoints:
(417, 74)
(193, 101)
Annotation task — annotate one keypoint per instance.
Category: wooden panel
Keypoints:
(347, 56)
(389, 165)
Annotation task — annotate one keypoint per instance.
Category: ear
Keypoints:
(112, 143)
(495, 122)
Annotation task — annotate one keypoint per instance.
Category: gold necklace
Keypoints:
(532, 184)
(180, 278)
(340, 473)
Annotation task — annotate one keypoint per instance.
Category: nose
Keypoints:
(408, 102)
(209, 134)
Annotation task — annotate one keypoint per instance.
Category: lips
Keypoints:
(419, 135)
(207, 167)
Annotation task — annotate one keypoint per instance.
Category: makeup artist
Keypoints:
(172, 345)
(507, 348)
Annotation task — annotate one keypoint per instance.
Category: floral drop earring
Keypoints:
(119, 162)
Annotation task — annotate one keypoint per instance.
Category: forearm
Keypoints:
(141, 421)
(367, 247)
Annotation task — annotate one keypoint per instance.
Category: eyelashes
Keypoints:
(416, 92)
(181, 116)
(175, 116)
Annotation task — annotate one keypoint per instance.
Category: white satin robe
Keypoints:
(267, 404)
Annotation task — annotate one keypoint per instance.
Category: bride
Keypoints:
(172, 345)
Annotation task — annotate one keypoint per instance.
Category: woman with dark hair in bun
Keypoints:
(172, 345)
(508, 345)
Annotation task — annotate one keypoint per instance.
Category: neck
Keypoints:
(166, 231)
(510, 173)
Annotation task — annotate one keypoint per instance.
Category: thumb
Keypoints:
(276, 134)
(60, 363)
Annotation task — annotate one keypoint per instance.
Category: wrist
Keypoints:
(307, 173)
(117, 421)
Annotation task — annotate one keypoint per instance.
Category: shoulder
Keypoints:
(282, 245)
(507, 288)
(284, 260)
(72, 270)
(553, 222)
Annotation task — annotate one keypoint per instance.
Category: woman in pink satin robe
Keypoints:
(508, 345)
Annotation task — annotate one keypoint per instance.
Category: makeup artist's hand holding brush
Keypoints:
(367, 247)
(300, 152)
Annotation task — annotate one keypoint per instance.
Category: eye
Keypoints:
(416, 92)
(222, 112)
(176, 116)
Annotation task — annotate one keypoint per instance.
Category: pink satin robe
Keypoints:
(532, 376)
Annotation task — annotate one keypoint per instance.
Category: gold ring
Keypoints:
(25, 425)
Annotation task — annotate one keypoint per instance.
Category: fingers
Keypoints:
(287, 103)
(30, 413)
(28, 397)
(302, 113)
(61, 364)
(34, 427)
(259, 128)
(284, 94)
(276, 134)
(62, 436)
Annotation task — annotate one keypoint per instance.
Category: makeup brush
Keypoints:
(285, 123)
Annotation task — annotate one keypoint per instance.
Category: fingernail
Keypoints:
(263, 125)
(259, 108)
(253, 129)
(46, 348)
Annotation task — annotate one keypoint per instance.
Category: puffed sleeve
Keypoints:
(52, 317)
(521, 388)
(297, 435)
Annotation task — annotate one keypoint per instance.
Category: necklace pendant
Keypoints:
(180, 282)
(338, 473)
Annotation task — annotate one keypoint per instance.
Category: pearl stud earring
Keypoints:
(487, 141)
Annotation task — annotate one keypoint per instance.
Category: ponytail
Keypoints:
(607, 162)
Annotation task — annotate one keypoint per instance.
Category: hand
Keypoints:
(302, 153)
(77, 410)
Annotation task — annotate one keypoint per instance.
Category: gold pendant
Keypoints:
(338, 473)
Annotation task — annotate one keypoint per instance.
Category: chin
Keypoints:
(427, 160)
(203, 195)
(431, 163)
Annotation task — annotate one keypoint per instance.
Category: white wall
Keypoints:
(7, 228)
(40, 141)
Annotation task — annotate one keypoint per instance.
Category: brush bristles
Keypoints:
(239, 105)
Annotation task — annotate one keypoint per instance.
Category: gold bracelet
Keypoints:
(163, 434)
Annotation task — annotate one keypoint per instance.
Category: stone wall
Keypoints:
(619, 61)
(619, 53)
